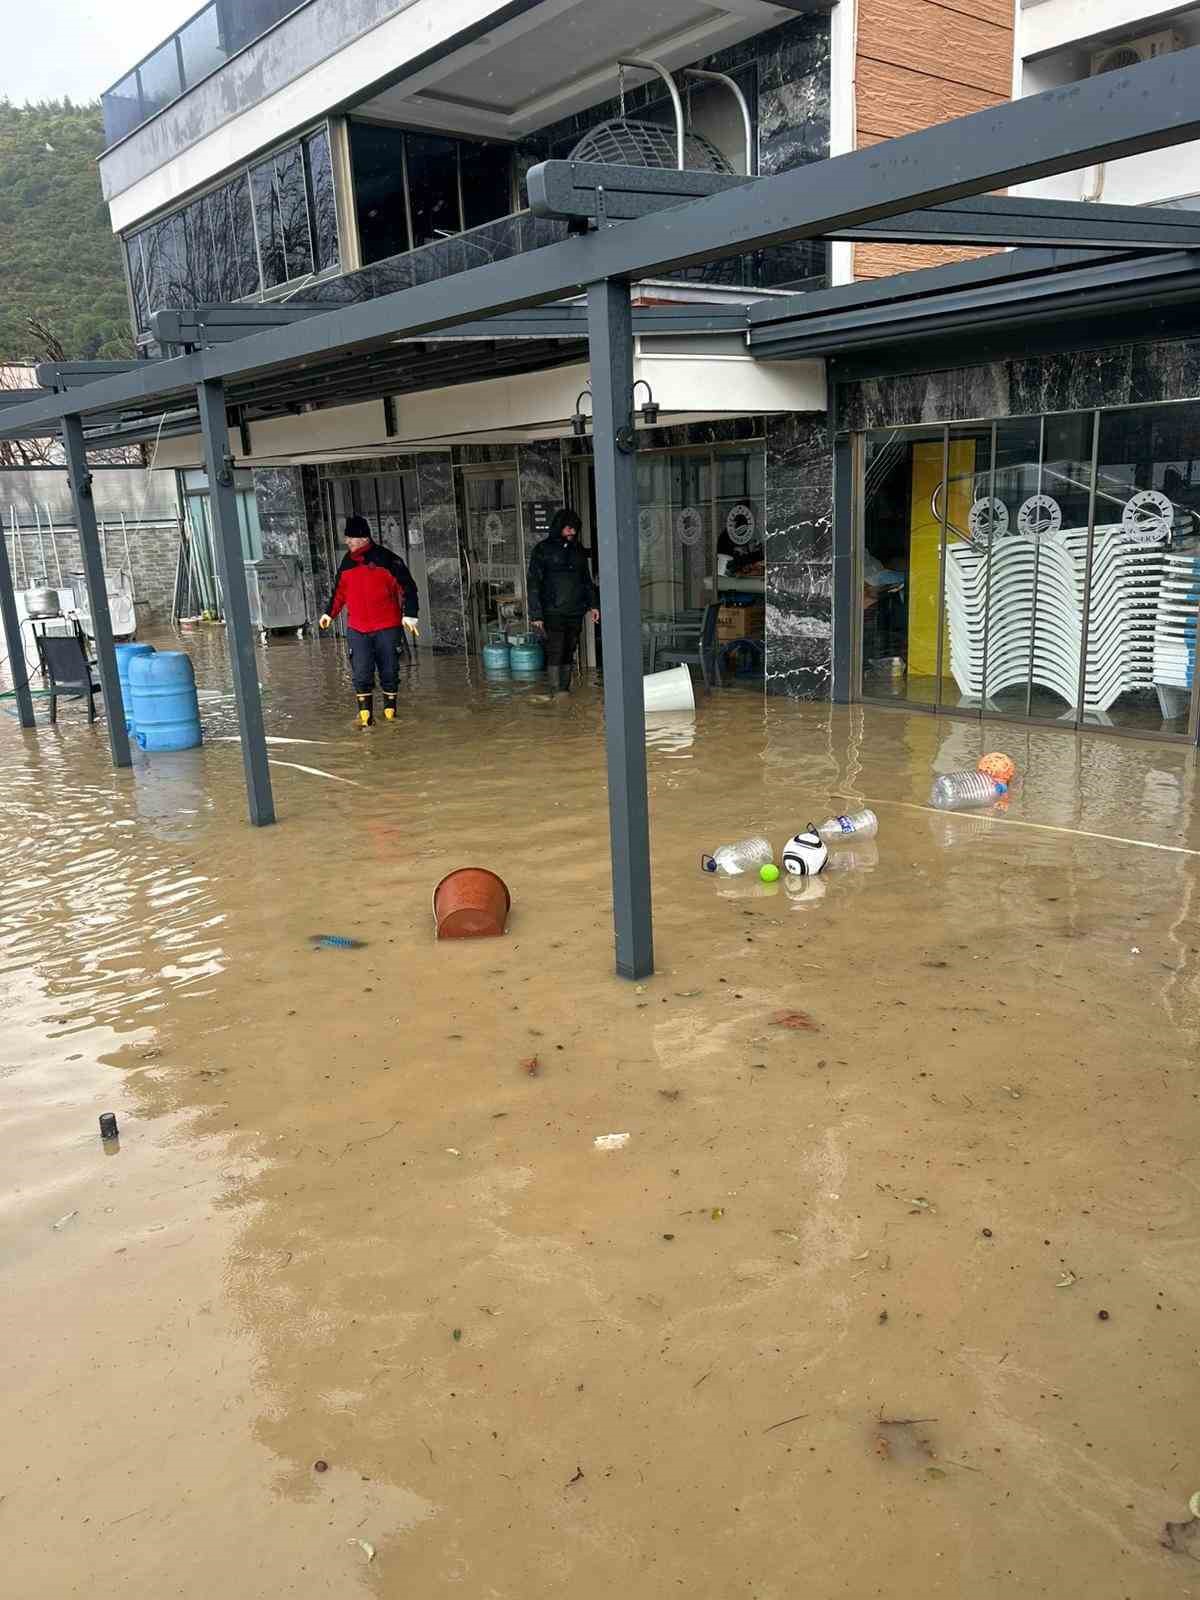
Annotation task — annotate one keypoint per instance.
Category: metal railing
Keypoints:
(203, 44)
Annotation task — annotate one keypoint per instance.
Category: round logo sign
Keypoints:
(1148, 517)
(650, 524)
(1040, 517)
(739, 525)
(689, 525)
(987, 520)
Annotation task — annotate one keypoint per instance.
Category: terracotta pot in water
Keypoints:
(471, 903)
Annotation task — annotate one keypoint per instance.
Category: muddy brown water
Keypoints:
(344, 1225)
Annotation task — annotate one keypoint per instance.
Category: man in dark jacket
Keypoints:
(380, 599)
(561, 593)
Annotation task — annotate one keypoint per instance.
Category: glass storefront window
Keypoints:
(282, 213)
(433, 199)
(1036, 567)
(377, 158)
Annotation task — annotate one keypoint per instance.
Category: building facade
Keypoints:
(873, 516)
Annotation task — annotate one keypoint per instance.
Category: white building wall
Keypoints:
(1055, 44)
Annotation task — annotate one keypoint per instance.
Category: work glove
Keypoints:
(410, 626)
(326, 621)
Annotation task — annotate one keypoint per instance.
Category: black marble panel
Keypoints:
(799, 489)
(540, 466)
(798, 551)
(1076, 380)
(799, 630)
(485, 455)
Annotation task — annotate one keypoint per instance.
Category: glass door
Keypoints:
(495, 555)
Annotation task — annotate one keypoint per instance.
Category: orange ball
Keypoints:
(998, 766)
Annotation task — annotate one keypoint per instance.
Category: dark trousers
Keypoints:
(372, 653)
(562, 641)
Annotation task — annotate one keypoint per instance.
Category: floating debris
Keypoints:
(335, 941)
(366, 1547)
(611, 1141)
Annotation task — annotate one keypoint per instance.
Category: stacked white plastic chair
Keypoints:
(1024, 617)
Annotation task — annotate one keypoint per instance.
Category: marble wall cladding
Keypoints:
(798, 555)
(793, 95)
(541, 477)
(1110, 375)
(439, 545)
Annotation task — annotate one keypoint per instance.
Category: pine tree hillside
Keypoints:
(59, 261)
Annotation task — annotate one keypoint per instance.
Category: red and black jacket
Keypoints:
(375, 589)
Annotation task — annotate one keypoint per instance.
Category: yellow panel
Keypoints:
(925, 545)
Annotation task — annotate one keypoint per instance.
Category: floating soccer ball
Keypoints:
(998, 766)
(805, 855)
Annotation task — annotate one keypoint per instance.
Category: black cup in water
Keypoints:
(108, 1125)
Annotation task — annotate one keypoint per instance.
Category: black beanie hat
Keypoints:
(566, 518)
(357, 528)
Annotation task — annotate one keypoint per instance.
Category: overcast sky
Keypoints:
(53, 48)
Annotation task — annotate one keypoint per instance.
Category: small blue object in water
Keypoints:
(335, 941)
(164, 708)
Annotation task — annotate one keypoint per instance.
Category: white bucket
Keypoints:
(669, 691)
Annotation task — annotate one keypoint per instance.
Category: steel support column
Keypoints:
(13, 640)
(222, 500)
(610, 341)
(93, 567)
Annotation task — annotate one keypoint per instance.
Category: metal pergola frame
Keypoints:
(1151, 106)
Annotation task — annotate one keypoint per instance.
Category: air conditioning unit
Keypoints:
(1129, 53)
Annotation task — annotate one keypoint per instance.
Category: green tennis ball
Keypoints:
(769, 873)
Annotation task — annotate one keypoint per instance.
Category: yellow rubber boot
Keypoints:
(366, 710)
(389, 708)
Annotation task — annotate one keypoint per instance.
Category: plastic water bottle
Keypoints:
(858, 825)
(963, 791)
(747, 855)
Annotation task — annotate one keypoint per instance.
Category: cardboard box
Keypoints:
(740, 622)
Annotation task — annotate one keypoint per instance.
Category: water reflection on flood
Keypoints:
(347, 1223)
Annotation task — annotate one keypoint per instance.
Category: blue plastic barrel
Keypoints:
(125, 654)
(165, 710)
(527, 654)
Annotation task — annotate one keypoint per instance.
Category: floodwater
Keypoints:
(827, 1323)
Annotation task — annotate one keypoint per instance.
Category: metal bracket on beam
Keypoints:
(596, 191)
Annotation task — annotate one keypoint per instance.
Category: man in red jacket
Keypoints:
(378, 594)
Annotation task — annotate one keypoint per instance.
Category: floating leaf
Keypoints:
(798, 1021)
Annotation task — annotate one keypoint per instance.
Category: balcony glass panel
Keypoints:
(122, 108)
(200, 42)
(159, 76)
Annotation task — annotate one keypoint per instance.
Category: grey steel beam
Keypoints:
(217, 324)
(610, 341)
(1061, 296)
(231, 569)
(14, 641)
(598, 192)
(1010, 267)
(97, 588)
(602, 191)
(1021, 220)
(1150, 107)
(60, 375)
